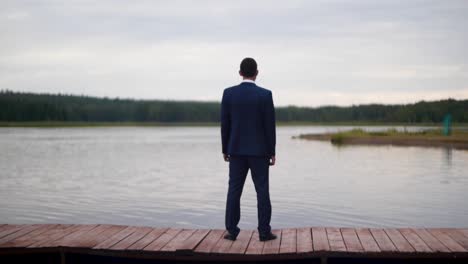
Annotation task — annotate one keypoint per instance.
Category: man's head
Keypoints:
(248, 68)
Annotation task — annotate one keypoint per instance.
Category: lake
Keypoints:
(175, 176)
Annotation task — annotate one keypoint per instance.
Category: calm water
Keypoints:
(175, 176)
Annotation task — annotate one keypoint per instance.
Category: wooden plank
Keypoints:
(178, 240)
(108, 243)
(134, 237)
(45, 239)
(23, 231)
(351, 240)
(222, 246)
(382, 239)
(81, 237)
(273, 246)
(240, 245)
(3, 227)
(399, 240)
(464, 231)
(207, 244)
(367, 240)
(73, 237)
(255, 246)
(445, 239)
(320, 239)
(146, 240)
(8, 229)
(27, 239)
(458, 236)
(288, 241)
(335, 239)
(94, 239)
(162, 240)
(430, 240)
(59, 231)
(7, 226)
(304, 240)
(416, 242)
(191, 243)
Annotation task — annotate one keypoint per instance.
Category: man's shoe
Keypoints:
(230, 236)
(267, 237)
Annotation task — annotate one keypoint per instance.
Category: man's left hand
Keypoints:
(272, 160)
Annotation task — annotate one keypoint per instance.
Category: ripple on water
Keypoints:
(176, 177)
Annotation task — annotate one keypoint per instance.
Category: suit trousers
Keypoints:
(239, 166)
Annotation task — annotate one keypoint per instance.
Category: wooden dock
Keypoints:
(142, 242)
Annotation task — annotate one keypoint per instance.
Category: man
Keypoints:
(248, 136)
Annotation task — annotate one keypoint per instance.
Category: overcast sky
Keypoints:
(309, 53)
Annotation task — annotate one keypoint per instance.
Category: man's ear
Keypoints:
(256, 73)
(240, 73)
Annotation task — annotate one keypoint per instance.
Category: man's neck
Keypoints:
(248, 80)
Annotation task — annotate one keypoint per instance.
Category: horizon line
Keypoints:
(214, 101)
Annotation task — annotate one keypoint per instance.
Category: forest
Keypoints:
(25, 106)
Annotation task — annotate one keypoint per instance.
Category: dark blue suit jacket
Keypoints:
(248, 121)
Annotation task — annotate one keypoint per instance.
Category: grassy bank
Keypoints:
(155, 124)
(426, 138)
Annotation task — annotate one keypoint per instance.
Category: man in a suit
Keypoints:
(248, 134)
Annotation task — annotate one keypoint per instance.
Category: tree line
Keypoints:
(23, 106)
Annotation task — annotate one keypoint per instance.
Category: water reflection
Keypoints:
(175, 176)
(448, 156)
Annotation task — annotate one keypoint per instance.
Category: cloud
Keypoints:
(309, 52)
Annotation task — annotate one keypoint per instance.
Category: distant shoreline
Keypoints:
(205, 124)
(58, 110)
(429, 138)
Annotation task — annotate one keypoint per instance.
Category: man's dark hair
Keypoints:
(248, 67)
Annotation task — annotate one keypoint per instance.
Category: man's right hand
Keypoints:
(272, 160)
